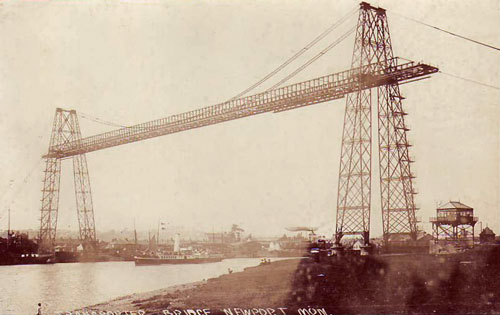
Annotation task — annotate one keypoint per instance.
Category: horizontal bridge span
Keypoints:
(322, 89)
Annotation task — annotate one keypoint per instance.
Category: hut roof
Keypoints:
(454, 205)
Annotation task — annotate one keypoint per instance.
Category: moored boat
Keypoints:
(178, 256)
(26, 259)
(159, 259)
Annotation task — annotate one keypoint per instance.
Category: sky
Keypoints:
(129, 62)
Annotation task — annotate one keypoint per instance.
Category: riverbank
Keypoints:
(240, 289)
(467, 283)
(142, 301)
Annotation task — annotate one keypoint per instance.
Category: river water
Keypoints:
(63, 287)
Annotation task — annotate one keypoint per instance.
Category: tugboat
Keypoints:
(176, 257)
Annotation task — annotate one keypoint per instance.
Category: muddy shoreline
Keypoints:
(134, 302)
(467, 283)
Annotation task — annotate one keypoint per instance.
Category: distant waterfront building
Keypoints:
(454, 222)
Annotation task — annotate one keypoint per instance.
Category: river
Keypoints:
(63, 287)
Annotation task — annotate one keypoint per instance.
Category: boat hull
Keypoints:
(10, 259)
(145, 261)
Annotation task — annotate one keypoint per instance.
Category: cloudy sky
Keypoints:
(130, 61)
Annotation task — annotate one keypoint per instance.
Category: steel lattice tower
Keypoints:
(66, 129)
(372, 53)
(373, 67)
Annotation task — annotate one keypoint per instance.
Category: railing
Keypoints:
(305, 93)
(454, 219)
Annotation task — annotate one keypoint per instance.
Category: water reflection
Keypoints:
(63, 287)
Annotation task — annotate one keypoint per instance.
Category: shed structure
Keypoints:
(487, 236)
(454, 222)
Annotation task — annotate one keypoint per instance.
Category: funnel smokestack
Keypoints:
(177, 243)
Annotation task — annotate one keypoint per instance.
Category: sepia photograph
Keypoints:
(235, 157)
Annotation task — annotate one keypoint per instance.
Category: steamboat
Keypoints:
(178, 256)
(175, 258)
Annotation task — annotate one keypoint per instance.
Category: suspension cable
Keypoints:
(272, 73)
(288, 77)
(99, 120)
(469, 80)
(324, 51)
(299, 53)
(448, 32)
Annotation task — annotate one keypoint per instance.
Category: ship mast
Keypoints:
(135, 235)
(158, 233)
